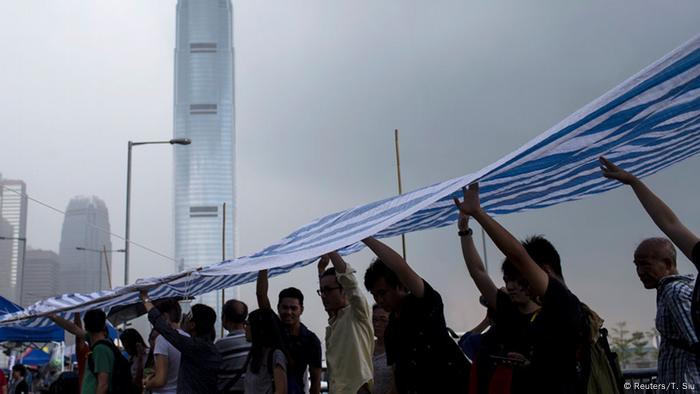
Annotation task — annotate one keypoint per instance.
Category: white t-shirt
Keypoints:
(164, 348)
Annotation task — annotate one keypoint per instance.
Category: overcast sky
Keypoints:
(320, 87)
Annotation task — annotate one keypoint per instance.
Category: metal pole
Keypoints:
(483, 245)
(107, 266)
(223, 258)
(100, 276)
(128, 210)
(24, 260)
(398, 173)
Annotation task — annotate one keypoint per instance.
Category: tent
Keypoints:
(35, 357)
(51, 333)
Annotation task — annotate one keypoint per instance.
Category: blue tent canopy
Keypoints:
(36, 357)
(51, 333)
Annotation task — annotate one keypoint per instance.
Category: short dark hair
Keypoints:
(235, 311)
(21, 369)
(291, 292)
(171, 307)
(509, 270)
(378, 270)
(328, 272)
(543, 253)
(95, 321)
(204, 318)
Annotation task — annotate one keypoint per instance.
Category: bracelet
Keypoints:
(465, 233)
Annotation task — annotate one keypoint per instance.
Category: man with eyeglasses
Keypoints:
(349, 335)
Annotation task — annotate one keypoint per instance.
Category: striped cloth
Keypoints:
(645, 124)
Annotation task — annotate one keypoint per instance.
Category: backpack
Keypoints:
(121, 381)
(600, 367)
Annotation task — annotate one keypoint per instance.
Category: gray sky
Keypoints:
(320, 86)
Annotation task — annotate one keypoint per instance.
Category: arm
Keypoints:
(396, 263)
(102, 383)
(509, 246)
(481, 326)
(315, 380)
(280, 377)
(140, 355)
(68, 326)
(261, 289)
(346, 278)
(660, 213)
(475, 266)
(338, 262)
(161, 374)
(322, 264)
(185, 345)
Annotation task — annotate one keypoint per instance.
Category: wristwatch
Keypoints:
(465, 233)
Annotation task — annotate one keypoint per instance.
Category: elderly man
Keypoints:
(678, 312)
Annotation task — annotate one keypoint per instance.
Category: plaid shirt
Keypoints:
(676, 363)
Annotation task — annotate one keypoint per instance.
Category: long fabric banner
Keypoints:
(645, 124)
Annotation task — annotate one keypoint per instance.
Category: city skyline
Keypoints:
(320, 88)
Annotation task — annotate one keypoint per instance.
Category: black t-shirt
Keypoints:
(22, 387)
(511, 331)
(304, 350)
(556, 338)
(425, 357)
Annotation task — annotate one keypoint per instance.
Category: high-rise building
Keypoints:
(8, 288)
(204, 113)
(13, 209)
(40, 274)
(86, 226)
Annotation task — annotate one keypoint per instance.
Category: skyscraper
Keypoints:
(40, 274)
(86, 225)
(13, 211)
(204, 112)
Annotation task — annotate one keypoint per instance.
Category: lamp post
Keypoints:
(175, 141)
(24, 258)
(103, 251)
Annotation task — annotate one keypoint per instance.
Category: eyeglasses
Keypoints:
(325, 290)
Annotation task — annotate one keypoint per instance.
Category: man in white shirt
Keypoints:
(167, 358)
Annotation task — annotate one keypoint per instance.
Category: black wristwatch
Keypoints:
(465, 233)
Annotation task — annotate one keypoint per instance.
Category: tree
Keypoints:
(629, 346)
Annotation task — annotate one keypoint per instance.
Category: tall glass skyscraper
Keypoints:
(204, 112)
(85, 225)
(13, 227)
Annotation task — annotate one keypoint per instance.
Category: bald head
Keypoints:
(660, 248)
(655, 258)
(234, 314)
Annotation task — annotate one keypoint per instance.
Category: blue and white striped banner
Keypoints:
(645, 124)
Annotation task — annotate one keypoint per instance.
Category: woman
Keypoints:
(383, 378)
(267, 361)
(137, 350)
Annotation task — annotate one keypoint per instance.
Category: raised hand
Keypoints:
(323, 263)
(611, 171)
(463, 222)
(471, 203)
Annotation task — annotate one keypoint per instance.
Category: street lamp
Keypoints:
(24, 258)
(174, 141)
(102, 251)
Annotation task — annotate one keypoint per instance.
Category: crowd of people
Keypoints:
(538, 336)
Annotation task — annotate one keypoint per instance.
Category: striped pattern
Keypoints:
(645, 124)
